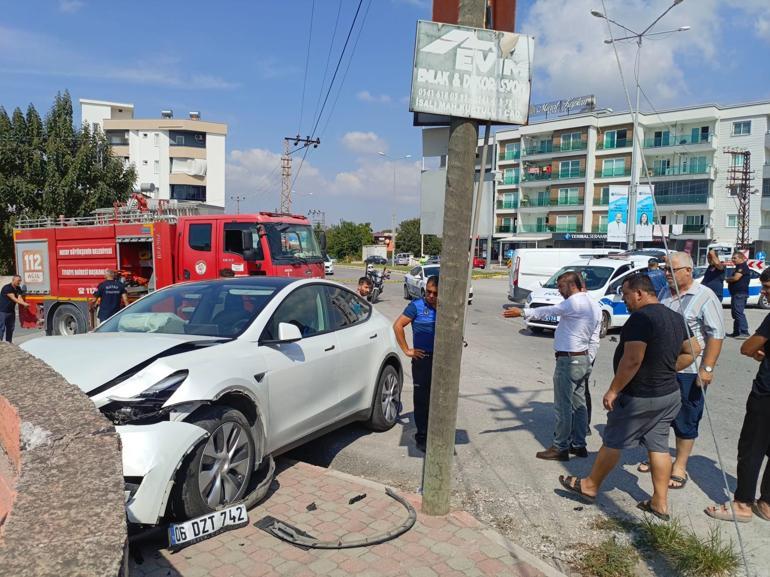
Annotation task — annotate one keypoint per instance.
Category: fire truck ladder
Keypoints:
(739, 180)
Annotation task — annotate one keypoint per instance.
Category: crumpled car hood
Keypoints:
(92, 359)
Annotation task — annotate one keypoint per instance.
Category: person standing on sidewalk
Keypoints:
(738, 284)
(714, 277)
(643, 398)
(10, 296)
(754, 441)
(421, 314)
(702, 312)
(579, 317)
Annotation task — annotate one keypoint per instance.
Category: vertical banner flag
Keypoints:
(617, 214)
(644, 213)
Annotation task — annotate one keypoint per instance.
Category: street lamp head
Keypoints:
(684, 28)
(608, 41)
(678, 2)
(381, 153)
(597, 14)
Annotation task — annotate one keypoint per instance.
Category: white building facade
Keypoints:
(553, 176)
(181, 159)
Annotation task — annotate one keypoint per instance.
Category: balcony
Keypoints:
(538, 200)
(570, 174)
(508, 229)
(507, 204)
(680, 143)
(540, 227)
(573, 146)
(602, 200)
(509, 155)
(696, 170)
(510, 180)
(619, 143)
(624, 172)
(668, 199)
(545, 147)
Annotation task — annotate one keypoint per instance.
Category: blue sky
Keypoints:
(243, 63)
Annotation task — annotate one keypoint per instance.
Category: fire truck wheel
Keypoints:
(68, 320)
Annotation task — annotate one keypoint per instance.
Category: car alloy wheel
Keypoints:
(391, 396)
(225, 465)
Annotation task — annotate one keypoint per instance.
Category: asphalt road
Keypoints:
(505, 415)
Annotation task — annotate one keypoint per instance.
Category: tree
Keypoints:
(347, 239)
(408, 238)
(51, 168)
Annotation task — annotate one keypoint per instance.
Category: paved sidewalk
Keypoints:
(456, 545)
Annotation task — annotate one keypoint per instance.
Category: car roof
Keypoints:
(277, 282)
(608, 262)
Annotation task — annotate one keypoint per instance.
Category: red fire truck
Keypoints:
(61, 261)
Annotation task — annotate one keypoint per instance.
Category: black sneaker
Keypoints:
(420, 446)
(579, 452)
(733, 335)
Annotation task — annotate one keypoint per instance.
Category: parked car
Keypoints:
(328, 265)
(204, 380)
(375, 259)
(756, 298)
(415, 280)
(404, 258)
(433, 259)
(479, 262)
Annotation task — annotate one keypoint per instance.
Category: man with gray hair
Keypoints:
(702, 313)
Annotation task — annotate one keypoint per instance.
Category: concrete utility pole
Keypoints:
(453, 294)
(286, 182)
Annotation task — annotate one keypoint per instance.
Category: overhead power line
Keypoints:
(307, 63)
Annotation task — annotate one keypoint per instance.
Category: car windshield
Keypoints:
(594, 277)
(292, 242)
(218, 309)
(431, 271)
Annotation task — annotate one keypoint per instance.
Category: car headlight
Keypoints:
(147, 405)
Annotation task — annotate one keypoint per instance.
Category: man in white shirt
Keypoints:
(575, 344)
(616, 230)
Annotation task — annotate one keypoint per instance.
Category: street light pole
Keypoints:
(393, 227)
(237, 198)
(636, 144)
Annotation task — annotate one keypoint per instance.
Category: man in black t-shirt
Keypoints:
(110, 293)
(643, 398)
(754, 442)
(10, 296)
(738, 284)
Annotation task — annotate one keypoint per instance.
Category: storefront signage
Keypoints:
(564, 106)
(472, 73)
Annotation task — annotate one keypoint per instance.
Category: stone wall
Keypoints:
(66, 503)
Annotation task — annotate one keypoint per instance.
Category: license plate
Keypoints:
(194, 530)
(552, 319)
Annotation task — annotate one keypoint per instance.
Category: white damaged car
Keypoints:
(205, 380)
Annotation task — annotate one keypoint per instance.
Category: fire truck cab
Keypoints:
(61, 261)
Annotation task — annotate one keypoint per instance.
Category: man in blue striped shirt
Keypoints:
(421, 314)
(702, 312)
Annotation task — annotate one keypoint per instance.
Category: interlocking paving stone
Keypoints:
(451, 546)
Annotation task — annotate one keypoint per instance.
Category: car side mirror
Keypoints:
(288, 333)
(619, 291)
(322, 240)
(249, 254)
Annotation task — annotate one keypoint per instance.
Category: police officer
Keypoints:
(10, 296)
(110, 294)
(421, 314)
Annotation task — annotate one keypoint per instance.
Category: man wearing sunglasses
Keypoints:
(702, 312)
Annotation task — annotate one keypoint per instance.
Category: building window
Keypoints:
(742, 128)
(572, 141)
(699, 135)
(511, 176)
(766, 187)
(732, 221)
(569, 196)
(188, 192)
(602, 223)
(613, 167)
(157, 166)
(661, 166)
(187, 138)
(512, 151)
(199, 237)
(566, 223)
(616, 138)
(569, 169)
(693, 165)
(156, 139)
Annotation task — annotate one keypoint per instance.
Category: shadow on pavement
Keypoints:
(706, 473)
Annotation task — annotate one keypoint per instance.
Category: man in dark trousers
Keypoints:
(643, 398)
(110, 294)
(738, 284)
(754, 441)
(421, 314)
(10, 296)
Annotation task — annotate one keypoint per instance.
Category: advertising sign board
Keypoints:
(617, 214)
(472, 73)
(644, 213)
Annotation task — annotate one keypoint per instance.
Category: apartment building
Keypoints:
(554, 176)
(175, 158)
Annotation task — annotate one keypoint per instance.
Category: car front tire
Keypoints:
(605, 325)
(217, 473)
(387, 400)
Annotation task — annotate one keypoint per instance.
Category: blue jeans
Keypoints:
(7, 323)
(569, 402)
(737, 305)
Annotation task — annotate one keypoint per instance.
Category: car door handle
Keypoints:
(327, 349)
(374, 336)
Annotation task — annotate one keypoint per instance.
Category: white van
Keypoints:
(601, 276)
(532, 267)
